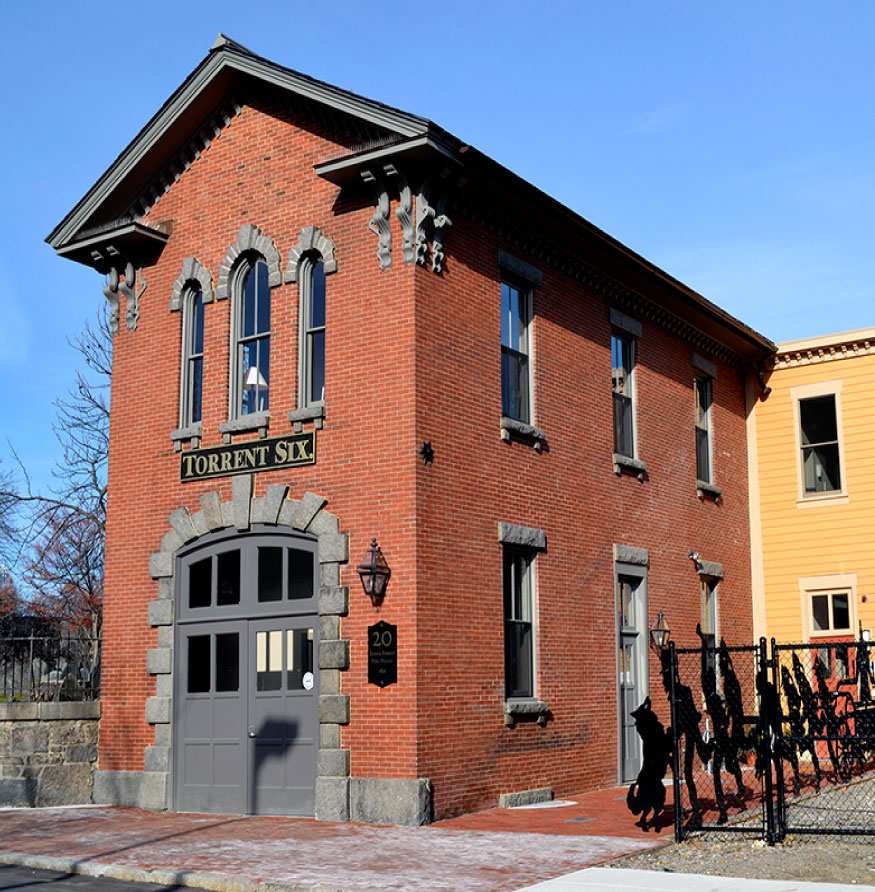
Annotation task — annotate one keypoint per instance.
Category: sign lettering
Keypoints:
(382, 654)
(290, 451)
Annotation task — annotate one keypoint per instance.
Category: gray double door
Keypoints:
(245, 707)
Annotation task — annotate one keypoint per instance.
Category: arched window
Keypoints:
(192, 356)
(250, 383)
(312, 351)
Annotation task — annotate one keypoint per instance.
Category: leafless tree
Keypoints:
(61, 531)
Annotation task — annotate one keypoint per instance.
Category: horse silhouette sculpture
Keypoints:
(647, 793)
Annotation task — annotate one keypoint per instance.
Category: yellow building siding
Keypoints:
(803, 537)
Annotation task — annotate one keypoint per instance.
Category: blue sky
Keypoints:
(730, 143)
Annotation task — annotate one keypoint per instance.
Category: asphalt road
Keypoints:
(12, 877)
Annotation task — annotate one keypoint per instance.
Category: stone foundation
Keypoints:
(47, 753)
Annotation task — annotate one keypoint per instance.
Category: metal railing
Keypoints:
(49, 667)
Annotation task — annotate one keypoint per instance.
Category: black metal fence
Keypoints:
(47, 667)
(773, 739)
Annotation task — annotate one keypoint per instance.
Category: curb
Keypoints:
(187, 878)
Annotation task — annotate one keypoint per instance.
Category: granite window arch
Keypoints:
(309, 262)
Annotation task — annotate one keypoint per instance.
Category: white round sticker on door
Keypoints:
(308, 681)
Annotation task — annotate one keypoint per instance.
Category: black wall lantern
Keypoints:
(659, 633)
(374, 573)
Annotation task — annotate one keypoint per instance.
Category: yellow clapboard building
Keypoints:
(812, 479)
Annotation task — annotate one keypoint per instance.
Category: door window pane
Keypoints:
(299, 657)
(270, 574)
(841, 617)
(200, 583)
(198, 664)
(228, 662)
(228, 584)
(268, 660)
(300, 574)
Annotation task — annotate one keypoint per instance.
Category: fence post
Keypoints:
(765, 754)
(780, 744)
(675, 755)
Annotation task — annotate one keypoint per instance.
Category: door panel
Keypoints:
(631, 669)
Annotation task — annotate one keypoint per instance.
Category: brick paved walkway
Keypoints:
(498, 850)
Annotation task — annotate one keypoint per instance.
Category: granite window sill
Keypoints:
(194, 433)
(256, 421)
(525, 709)
(708, 490)
(314, 412)
(510, 427)
(631, 465)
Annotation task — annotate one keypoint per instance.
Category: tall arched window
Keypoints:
(250, 390)
(192, 356)
(312, 370)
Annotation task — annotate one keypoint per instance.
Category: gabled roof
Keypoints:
(101, 226)
(227, 66)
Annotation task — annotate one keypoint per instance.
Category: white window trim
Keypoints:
(305, 279)
(235, 395)
(188, 300)
(629, 329)
(526, 292)
(836, 583)
(531, 578)
(809, 391)
(709, 425)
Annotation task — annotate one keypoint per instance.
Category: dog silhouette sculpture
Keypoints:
(647, 794)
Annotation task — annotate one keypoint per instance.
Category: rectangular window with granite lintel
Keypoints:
(519, 650)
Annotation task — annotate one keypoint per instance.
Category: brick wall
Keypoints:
(414, 356)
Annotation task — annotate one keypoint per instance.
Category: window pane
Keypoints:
(263, 401)
(263, 297)
(820, 612)
(248, 309)
(269, 660)
(300, 574)
(703, 402)
(227, 662)
(621, 365)
(626, 607)
(270, 574)
(841, 654)
(518, 659)
(228, 581)
(821, 468)
(703, 456)
(317, 296)
(299, 657)
(197, 384)
(623, 442)
(317, 367)
(514, 385)
(197, 324)
(818, 420)
(841, 615)
(198, 664)
(200, 583)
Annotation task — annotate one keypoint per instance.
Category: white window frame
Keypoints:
(307, 267)
(627, 337)
(835, 584)
(526, 302)
(529, 593)
(186, 401)
(249, 263)
(707, 384)
(811, 391)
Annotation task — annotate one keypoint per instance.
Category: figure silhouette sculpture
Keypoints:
(803, 741)
(688, 718)
(775, 729)
(724, 752)
(810, 711)
(831, 722)
(733, 698)
(648, 792)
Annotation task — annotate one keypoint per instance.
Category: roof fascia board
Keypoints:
(188, 92)
(336, 171)
(820, 342)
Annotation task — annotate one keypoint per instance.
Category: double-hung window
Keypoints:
(818, 427)
(622, 363)
(251, 382)
(519, 655)
(516, 313)
(312, 368)
(192, 357)
(703, 429)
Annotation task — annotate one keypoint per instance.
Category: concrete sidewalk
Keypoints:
(499, 850)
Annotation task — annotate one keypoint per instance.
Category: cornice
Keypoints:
(812, 353)
(559, 259)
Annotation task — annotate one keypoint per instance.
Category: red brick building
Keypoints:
(337, 322)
